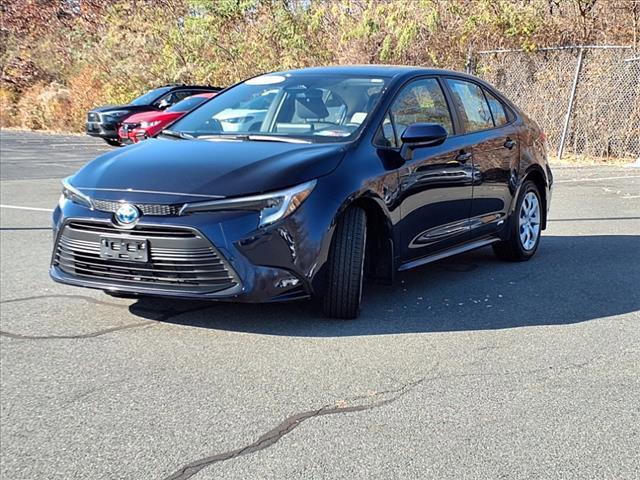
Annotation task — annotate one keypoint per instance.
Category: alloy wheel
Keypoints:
(529, 221)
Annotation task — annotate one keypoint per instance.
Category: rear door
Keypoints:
(488, 126)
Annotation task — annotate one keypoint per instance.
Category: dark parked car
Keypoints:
(141, 126)
(352, 173)
(105, 121)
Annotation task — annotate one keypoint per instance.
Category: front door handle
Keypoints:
(463, 157)
(509, 143)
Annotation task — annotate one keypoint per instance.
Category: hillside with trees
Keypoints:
(61, 57)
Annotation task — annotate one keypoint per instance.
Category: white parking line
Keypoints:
(573, 180)
(16, 207)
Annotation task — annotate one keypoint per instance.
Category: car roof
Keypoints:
(375, 70)
(177, 86)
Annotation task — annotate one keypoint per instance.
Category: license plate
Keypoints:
(126, 249)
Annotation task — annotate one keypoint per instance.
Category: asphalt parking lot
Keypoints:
(469, 368)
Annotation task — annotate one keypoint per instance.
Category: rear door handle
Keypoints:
(509, 143)
(463, 157)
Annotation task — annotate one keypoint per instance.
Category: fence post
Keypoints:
(469, 64)
(567, 119)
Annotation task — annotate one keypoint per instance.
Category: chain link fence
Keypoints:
(585, 98)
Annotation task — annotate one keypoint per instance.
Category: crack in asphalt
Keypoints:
(75, 297)
(163, 316)
(79, 336)
(288, 425)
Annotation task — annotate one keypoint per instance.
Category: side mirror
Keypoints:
(164, 103)
(423, 135)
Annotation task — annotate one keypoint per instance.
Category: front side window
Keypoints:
(312, 107)
(422, 101)
(386, 136)
(173, 98)
(150, 96)
(497, 110)
(471, 105)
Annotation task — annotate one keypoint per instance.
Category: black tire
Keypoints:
(512, 249)
(112, 142)
(345, 266)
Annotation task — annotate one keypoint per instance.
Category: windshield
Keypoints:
(150, 96)
(318, 108)
(187, 104)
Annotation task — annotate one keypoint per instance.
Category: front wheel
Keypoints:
(112, 142)
(345, 266)
(525, 226)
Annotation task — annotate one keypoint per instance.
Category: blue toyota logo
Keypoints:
(127, 214)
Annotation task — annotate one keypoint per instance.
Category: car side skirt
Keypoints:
(465, 247)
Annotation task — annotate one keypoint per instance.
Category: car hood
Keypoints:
(129, 108)
(201, 168)
(153, 116)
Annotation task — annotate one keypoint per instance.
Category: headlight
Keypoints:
(149, 124)
(74, 195)
(272, 206)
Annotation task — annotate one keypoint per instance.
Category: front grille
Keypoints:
(130, 126)
(93, 117)
(180, 259)
(145, 208)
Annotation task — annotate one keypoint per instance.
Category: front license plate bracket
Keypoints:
(124, 249)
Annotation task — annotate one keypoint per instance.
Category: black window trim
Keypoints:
(511, 115)
(455, 121)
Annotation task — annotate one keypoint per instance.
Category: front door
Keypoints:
(436, 182)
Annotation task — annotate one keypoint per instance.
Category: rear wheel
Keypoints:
(113, 142)
(345, 270)
(525, 225)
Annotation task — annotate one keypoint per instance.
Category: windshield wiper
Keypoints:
(174, 134)
(222, 136)
(253, 138)
(276, 138)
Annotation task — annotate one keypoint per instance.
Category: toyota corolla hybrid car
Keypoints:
(141, 126)
(354, 173)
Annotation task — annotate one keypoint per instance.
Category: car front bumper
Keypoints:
(102, 130)
(278, 263)
(133, 135)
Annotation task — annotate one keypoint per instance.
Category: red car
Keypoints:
(141, 126)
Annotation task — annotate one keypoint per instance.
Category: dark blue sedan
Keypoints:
(302, 184)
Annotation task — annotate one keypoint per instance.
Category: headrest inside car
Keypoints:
(310, 105)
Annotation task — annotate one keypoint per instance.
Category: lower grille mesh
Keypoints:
(179, 259)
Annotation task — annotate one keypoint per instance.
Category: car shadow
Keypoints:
(571, 279)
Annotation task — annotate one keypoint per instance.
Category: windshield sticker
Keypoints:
(266, 80)
(332, 133)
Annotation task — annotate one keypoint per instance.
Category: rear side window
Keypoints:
(421, 101)
(471, 104)
(497, 110)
